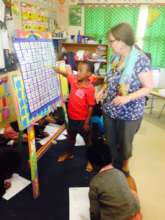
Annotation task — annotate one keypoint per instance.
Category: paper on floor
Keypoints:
(61, 137)
(44, 140)
(78, 203)
(64, 132)
(18, 183)
(51, 130)
(79, 141)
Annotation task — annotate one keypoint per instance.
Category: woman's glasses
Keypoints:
(111, 41)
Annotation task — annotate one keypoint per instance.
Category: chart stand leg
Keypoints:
(33, 161)
(20, 141)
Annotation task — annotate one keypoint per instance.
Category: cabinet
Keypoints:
(97, 53)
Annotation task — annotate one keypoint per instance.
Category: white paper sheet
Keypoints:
(61, 137)
(79, 141)
(18, 183)
(78, 203)
(51, 130)
(44, 140)
(64, 132)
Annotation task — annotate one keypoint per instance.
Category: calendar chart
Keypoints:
(37, 59)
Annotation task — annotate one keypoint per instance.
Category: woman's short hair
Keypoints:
(99, 154)
(123, 32)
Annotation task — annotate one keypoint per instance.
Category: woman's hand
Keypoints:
(120, 100)
(99, 95)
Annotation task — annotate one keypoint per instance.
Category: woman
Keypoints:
(129, 80)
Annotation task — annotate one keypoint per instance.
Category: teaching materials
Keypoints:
(36, 58)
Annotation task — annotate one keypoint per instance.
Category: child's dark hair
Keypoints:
(90, 65)
(98, 154)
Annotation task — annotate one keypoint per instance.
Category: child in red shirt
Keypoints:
(80, 107)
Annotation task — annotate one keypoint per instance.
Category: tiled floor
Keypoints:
(148, 167)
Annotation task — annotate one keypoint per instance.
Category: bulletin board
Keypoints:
(33, 17)
(7, 112)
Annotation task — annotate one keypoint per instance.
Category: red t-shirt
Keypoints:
(79, 99)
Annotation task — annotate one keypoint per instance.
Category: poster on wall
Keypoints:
(75, 13)
(33, 17)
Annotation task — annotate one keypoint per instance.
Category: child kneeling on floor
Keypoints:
(110, 196)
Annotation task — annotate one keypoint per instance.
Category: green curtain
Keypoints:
(154, 38)
(99, 20)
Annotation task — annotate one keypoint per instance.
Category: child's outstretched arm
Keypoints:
(65, 72)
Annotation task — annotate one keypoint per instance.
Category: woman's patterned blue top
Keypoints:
(134, 109)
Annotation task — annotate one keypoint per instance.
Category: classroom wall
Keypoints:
(62, 14)
(41, 8)
(63, 18)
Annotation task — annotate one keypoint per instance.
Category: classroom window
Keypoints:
(99, 20)
(154, 37)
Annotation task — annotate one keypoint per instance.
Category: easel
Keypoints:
(34, 155)
(19, 101)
